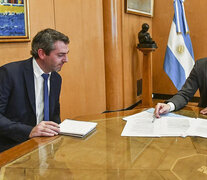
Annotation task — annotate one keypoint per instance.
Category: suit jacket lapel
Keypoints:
(29, 80)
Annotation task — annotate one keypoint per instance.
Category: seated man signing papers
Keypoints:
(196, 80)
(30, 90)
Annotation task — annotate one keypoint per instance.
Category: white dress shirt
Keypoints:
(172, 106)
(39, 91)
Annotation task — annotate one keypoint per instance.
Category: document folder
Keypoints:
(77, 128)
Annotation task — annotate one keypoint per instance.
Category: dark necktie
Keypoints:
(46, 98)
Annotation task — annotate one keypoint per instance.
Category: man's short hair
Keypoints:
(45, 40)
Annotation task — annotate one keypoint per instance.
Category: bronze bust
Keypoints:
(145, 41)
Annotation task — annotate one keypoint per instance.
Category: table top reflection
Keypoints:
(106, 155)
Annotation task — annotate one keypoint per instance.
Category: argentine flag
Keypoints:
(179, 57)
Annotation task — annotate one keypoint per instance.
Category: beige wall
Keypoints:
(195, 11)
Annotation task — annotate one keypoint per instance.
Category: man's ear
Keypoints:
(41, 53)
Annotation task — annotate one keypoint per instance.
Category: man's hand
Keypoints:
(45, 128)
(161, 108)
(204, 111)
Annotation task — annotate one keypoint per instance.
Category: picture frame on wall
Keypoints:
(140, 7)
(14, 21)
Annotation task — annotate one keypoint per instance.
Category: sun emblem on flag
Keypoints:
(180, 49)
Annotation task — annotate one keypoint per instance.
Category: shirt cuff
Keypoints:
(172, 106)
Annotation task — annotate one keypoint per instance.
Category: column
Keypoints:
(113, 54)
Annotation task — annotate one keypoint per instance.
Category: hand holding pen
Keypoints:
(153, 118)
(161, 108)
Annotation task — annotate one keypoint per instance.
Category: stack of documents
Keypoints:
(171, 125)
(77, 128)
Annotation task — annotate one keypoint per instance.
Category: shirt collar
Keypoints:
(37, 70)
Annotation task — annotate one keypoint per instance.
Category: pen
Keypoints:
(153, 118)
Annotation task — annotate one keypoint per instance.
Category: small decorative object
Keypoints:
(145, 41)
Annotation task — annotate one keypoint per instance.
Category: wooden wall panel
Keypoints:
(195, 11)
(132, 58)
(83, 89)
(161, 27)
(196, 17)
(41, 15)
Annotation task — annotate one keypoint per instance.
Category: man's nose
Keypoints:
(65, 60)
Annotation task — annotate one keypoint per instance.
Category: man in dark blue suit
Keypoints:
(22, 105)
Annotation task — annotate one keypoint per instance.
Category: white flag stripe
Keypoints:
(185, 59)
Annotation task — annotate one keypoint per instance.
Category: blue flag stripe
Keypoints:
(174, 69)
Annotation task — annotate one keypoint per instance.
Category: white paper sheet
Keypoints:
(165, 126)
(198, 128)
(174, 126)
(141, 127)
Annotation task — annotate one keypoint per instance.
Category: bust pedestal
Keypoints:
(147, 76)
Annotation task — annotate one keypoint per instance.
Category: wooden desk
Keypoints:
(107, 155)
